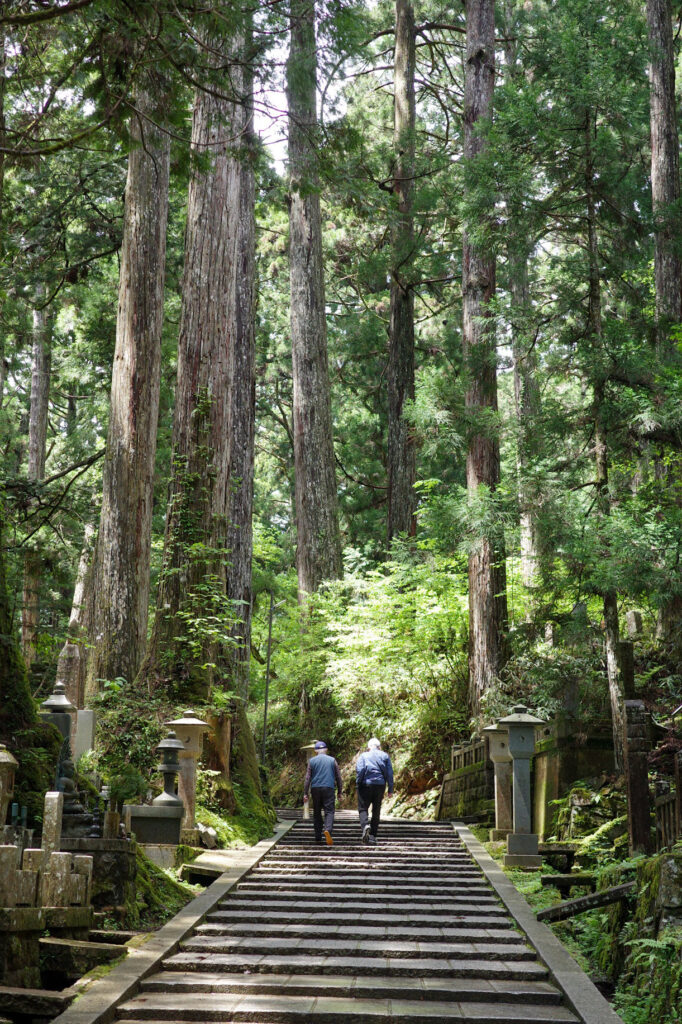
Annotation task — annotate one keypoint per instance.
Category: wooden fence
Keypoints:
(668, 803)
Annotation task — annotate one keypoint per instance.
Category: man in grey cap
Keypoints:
(322, 776)
(373, 772)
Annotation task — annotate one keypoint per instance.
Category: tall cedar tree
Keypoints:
(119, 585)
(242, 371)
(665, 195)
(401, 453)
(318, 555)
(192, 587)
(37, 442)
(487, 597)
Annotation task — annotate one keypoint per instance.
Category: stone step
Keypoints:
(457, 989)
(387, 901)
(180, 1006)
(405, 920)
(323, 946)
(476, 966)
(306, 887)
(361, 931)
(361, 877)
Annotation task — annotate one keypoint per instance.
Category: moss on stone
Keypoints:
(158, 896)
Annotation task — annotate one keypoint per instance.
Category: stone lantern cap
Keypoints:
(58, 702)
(190, 728)
(6, 758)
(498, 736)
(170, 743)
(520, 716)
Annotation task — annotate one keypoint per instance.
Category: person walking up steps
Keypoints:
(320, 779)
(373, 772)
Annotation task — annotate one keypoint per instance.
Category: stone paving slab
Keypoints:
(488, 919)
(422, 967)
(352, 985)
(210, 1007)
(444, 905)
(364, 931)
(358, 947)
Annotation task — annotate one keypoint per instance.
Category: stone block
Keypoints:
(522, 860)
(633, 623)
(20, 930)
(52, 822)
(33, 860)
(55, 888)
(84, 739)
(525, 844)
(9, 870)
(27, 888)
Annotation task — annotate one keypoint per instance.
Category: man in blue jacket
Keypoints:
(322, 775)
(373, 772)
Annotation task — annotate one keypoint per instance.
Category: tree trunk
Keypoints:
(120, 575)
(487, 581)
(72, 662)
(527, 406)
(609, 597)
(665, 194)
(3, 367)
(37, 440)
(242, 373)
(188, 640)
(527, 399)
(401, 453)
(665, 166)
(318, 555)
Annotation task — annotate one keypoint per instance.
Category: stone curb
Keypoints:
(98, 1003)
(580, 993)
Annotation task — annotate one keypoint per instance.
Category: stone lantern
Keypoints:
(169, 768)
(498, 748)
(59, 711)
(309, 751)
(8, 767)
(522, 844)
(190, 731)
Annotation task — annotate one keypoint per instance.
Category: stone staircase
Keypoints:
(407, 931)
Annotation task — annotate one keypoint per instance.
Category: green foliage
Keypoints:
(158, 896)
(127, 787)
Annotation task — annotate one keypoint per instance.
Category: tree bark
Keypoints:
(242, 374)
(665, 194)
(401, 453)
(72, 662)
(188, 644)
(527, 399)
(609, 597)
(37, 442)
(665, 166)
(487, 578)
(120, 576)
(318, 555)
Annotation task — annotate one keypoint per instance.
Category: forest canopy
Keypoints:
(340, 345)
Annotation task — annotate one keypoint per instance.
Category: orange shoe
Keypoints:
(328, 837)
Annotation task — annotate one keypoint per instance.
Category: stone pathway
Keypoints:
(407, 931)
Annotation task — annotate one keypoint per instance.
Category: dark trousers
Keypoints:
(370, 795)
(323, 800)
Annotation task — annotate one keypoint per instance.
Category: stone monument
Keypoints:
(522, 843)
(498, 751)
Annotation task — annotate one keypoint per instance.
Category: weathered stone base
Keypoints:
(20, 930)
(521, 860)
(498, 835)
(113, 869)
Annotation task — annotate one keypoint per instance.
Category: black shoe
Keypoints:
(365, 834)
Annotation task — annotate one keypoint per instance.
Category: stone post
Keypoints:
(309, 751)
(190, 731)
(8, 767)
(52, 824)
(626, 664)
(502, 763)
(522, 844)
(636, 749)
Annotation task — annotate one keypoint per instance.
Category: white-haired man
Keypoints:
(373, 773)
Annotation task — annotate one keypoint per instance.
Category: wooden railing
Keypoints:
(668, 805)
(464, 754)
